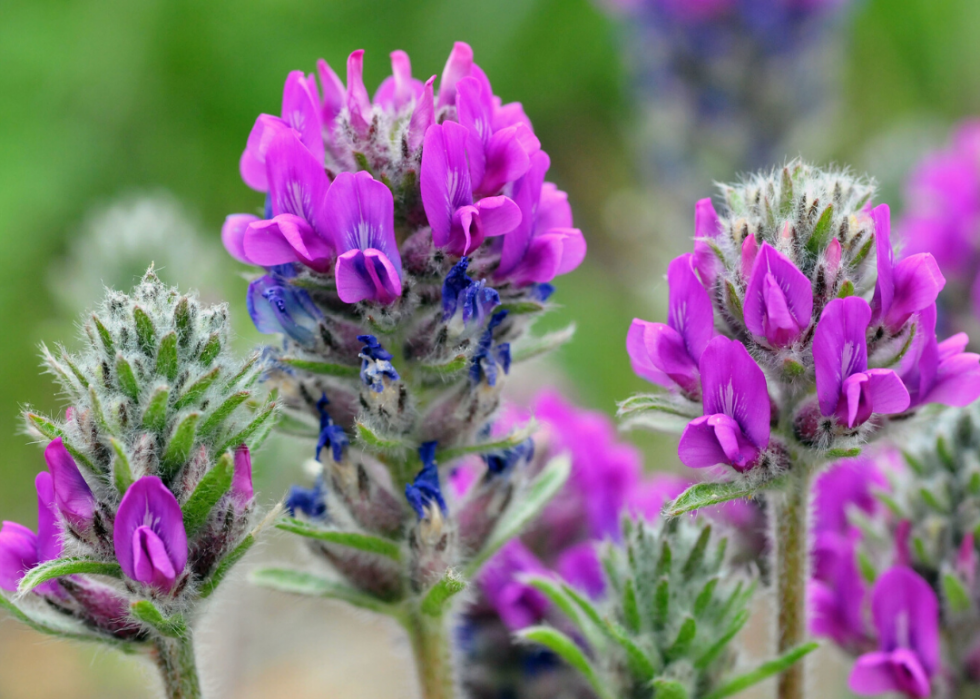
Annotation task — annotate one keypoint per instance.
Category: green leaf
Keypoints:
(206, 495)
(556, 592)
(519, 308)
(196, 390)
(639, 664)
(180, 444)
(706, 494)
(863, 252)
(454, 365)
(49, 570)
(155, 415)
(246, 434)
(182, 321)
(696, 557)
(661, 602)
(127, 379)
(930, 499)
(362, 162)
(523, 510)
(537, 346)
(704, 597)
(437, 598)
(631, 612)
(568, 650)
(355, 540)
(300, 583)
(104, 336)
(821, 231)
(955, 593)
(368, 436)
(222, 413)
(219, 574)
(706, 658)
(322, 368)
(211, 349)
(146, 334)
(669, 689)
(867, 568)
(167, 356)
(147, 612)
(243, 373)
(763, 672)
(843, 453)
(122, 474)
(685, 637)
(786, 194)
(509, 442)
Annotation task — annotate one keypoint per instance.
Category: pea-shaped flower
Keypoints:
(149, 536)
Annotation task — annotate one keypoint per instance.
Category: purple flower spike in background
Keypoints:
(735, 427)
(149, 536)
(846, 387)
(359, 219)
(668, 355)
(72, 495)
(778, 300)
(939, 372)
(836, 592)
(906, 617)
(517, 603)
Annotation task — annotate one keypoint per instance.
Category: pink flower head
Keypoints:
(149, 535)
(846, 388)
(668, 355)
(735, 427)
(906, 616)
(360, 220)
(778, 300)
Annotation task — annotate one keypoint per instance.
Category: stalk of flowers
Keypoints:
(942, 217)
(793, 338)
(408, 243)
(147, 499)
(905, 549)
(606, 482)
(727, 80)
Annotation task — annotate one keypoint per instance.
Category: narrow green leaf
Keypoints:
(917, 467)
(641, 666)
(167, 356)
(182, 321)
(104, 336)
(685, 637)
(147, 612)
(696, 557)
(704, 597)
(590, 626)
(930, 499)
(437, 598)
(206, 495)
(821, 231)
(660, 412)
(538, 346)
(843, 453)
(519, 308)
(706, 658)
(509, 442)
(867, 568)
(322, 368)
(246, 434)
(734, 303)
(300, 583)
(955, 593)
(122, 474)
(369, 437)
(69, 362)
(180, 444)
(669, 689)
(523, 510)
(362, 162)
(222, 412)
(705, 494)
(50, 570)
(661, 603)
(863, 252)
(219, 574)
(785, 194)
(568, 650)
(127, 379)
(97, 412)
(243, 373)
(196, 390)
(945, 455)
(210, 351)
(763, 672)
(631, 612)
(146, 334)
(155, 415)
(453, 366)
(354, 540)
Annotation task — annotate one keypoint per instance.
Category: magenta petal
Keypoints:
(423, 116)
(885, 284)
(400, 88)
(506, 160)
(151, 562)
(887, 392)
(233, 234)
(358, 101)
(48, 529)
(18, 554)
(253, 161)
(527, 193)
(72, 494)
(639, 354)
(297, 182)
(301, 110)
(918, 282)
(367, 275)
(149, 504)
(573, 248)
(360, 215)
(458, 66)
(872, 674)
(906, 614)
(706, 221)
(580, 567)
(286, 238)
(952, 346)
(733, 384)
(700, 445)
(778, 299)
(334, 92)
(553, 208)
(241, 481)
(839, 348)
(445, 179)
(517, 603)
(669, 353)
(498, 215)
(690, 312)
(957, 381)
(541, 261)
(472, 111)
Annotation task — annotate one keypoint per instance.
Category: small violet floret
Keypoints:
(332, 436)
(778, 299)
(375, 364)
(422, 492)
(735, 427)
(488, 354)
(278, 307)
(846, 388)
(149, 535)
(312, 502)
(466, 303)
(939, 372)
(668, 355)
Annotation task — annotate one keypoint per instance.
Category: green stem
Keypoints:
(175, 659)
(790, 544)
(433, 658)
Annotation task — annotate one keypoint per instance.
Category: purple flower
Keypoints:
(836, 593)
(400, 89)
(149, 536)
(846, 388)
(778, 300)
(21, 549)
(242, 492)
(668, 355)
(278, 307)
(906, 616)
(707, 226)
(471, 301)
(332, 436)
(72, 495)
(359, 216)
(848, 483)
(422, 492)
(489, 354)
(939, 372)
(458, 66)
(375, 364)
(544, 244)
(459, 223)
(903, 289)
(312, 502)
(581, 568)
(735, 427)
(517, 603)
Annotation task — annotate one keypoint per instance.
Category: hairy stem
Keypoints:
(433, 659)
(175, 658)
(790, 510)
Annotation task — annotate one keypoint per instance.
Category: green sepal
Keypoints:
(167, 357)
(182, 321)
(49, 570)
(846, 289)
(525, 509)
(564, 647)
(696, 557)
(122, 473)
(246, 434)
(355, 540)
(957, 597)
(512, 440)
(519, 308)
(222, 413)
(863, 252)
(821, 231)
(785, 194)
(207, 493)
(372, 439)
(763, 672)
(590, 625)
(322, 368)
(127, 379)
(538, 346)
(155, 415)
(362, 163)
(297, 582)
(439, 595)
(735, 303)
(685, 637)
(669, 689)
(196, 390)
(706, 494)
(210, 351)
(180, 444)
(843, 453)
(704, 597)
(631, 612)
(640, 665)
(453, 366)
(147, 612)
(146, 334)
(713, 651)
(104, 336)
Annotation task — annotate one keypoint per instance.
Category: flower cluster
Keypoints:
(147, 497)
(794, 290)
(942, 217)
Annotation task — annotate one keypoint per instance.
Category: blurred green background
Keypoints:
(103, 98)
